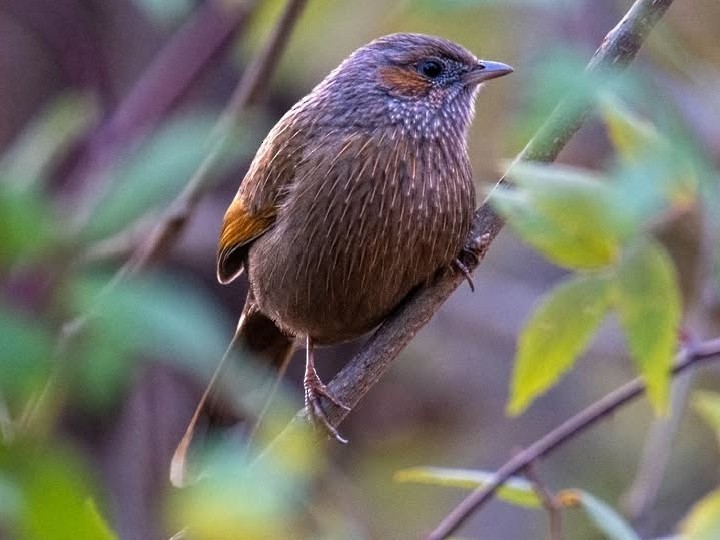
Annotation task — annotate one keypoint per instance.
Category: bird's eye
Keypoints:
(432, 69)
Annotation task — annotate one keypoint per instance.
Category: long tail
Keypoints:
(258, 337)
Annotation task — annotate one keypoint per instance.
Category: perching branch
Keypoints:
(616, 52)
(690, 356)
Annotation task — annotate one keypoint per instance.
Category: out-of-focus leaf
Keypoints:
(157, 315)
(11, 499)
(445, 5)
(557, 332)
(97, 522)
(25, 224)
(545, 235)
(165, 11)
(603, 516)
(517, 491)
(707, 405)
(47, 138)
(703, 520)
(24, 354)
(54, 488)
(553, 77)
(630, 134)
(648, 302)
(153, 174)
(579, 201)
(261, 501)
(658, 171)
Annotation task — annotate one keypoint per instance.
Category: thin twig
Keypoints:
(617, 50)
(548, 500)
(590, 416)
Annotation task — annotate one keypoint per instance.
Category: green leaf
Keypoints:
(24, 355)
(556, 334)
(579, 201)
(26, 225)
(630, 135)
(604, 517)
(165, 11)
(97, 522)
(703, 520)
(53, 488)
(47, 138)
(707, 405)
(159, 315)
(560, 246)
(152, 175)
(648, 302)
(517, 491)
(235, 500)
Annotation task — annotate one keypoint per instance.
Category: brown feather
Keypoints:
(239, 229)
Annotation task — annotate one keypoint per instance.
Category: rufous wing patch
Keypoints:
(240, 227)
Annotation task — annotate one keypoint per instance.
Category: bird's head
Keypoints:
(424, 84)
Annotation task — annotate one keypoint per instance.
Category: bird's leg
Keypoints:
(314, 389)
(471, 252)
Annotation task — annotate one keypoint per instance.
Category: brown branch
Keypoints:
(690, 356)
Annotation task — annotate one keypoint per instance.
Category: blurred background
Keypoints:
(106, 107)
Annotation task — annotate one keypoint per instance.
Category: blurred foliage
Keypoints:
(152, 175)
(600, 226)
(517, 491)
(602, 516)
(82, 350)
(47, 493)
(703, 520)
(166, 11)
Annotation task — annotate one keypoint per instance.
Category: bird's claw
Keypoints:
(314, 389)
(465, 271)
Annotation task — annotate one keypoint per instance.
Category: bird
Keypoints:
(359, 194)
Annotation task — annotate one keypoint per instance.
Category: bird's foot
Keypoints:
(470, 255)
(315, 389)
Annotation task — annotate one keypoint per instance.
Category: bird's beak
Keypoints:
(485, 70)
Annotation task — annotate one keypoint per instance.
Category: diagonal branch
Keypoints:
(690, 356)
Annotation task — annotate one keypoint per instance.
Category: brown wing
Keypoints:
(254, 208)
(240, 228)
